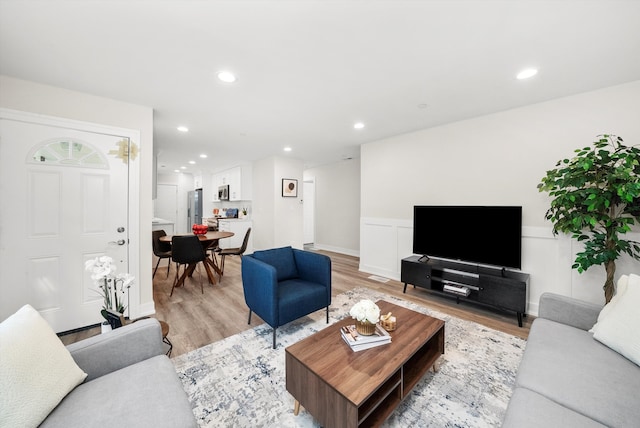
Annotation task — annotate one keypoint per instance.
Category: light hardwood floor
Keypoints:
(197, 319)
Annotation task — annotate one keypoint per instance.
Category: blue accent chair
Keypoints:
(284, 284)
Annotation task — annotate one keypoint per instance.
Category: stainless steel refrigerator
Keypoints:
(194, 208)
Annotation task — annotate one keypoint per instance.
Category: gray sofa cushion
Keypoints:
(105, 353)
(146, 394)
(528, 409)
(568, 366)
(569, 311)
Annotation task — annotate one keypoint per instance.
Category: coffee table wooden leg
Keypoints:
(296, 407)
(436, 366)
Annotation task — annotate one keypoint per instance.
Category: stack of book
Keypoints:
(460, 290)
(358, 342)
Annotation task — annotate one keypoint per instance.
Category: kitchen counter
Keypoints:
(162, 224)
(239, 227)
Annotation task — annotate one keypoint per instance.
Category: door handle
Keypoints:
(118, 242)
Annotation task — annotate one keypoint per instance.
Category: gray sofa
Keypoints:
(130, 383)
(567, 378)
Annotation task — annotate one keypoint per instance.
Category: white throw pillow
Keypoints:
(621, 287)
(620, 328)
(36, 370)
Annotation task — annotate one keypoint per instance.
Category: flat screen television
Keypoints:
(478, 234)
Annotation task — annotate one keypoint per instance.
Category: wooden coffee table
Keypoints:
(342, 388)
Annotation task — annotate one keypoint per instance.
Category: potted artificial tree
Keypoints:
(596, 199)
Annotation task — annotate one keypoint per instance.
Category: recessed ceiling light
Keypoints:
(527, 73)
(192, 162)
(358, 125)
(287, 149)
(183, 129)
(176, 170)
(183, 167)
(203, 156)
(226, 76)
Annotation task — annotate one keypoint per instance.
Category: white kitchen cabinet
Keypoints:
(215, 183)
(239, 228)
(234, 178)
(239, 181)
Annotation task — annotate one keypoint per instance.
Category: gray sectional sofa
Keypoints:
(130, 383)
(567, 378)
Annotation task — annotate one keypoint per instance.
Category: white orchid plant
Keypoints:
(111, 287)
(365, 310)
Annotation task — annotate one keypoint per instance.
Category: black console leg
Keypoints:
(519, 319)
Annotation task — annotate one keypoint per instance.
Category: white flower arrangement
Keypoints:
(365, 310)
(103, 275)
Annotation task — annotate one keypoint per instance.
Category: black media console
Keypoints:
(495, 287)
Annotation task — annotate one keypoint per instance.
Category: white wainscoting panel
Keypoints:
(379, 247)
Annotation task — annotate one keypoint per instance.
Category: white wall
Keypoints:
(289, 216)
(337, 208)
(277, 221)
(264, 194)
(492, 160)
(52, 101)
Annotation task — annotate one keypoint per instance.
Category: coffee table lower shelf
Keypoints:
(341, 388)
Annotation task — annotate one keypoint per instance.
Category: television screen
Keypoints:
(477, 234)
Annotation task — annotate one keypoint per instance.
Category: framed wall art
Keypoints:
(289, 188)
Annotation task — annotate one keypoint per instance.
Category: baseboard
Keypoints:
(380, 272)
(339, 250)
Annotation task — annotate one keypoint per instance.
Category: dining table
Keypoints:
(207, 240)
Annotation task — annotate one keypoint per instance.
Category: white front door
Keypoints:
(64, 201)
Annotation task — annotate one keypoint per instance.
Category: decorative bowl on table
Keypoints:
(199, 229)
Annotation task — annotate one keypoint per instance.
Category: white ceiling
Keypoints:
(308, 70)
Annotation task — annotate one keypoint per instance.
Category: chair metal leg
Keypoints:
(168, 266)
(327, 314)
(168, 342)
(249, 317)
(173, 286)
(154, 271)
(175, 280)
(274, 338)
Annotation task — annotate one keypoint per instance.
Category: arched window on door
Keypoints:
(67, 152)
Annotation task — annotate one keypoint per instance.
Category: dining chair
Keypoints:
(233, 251)
(213, 248)
(186, 251)
(162, 250)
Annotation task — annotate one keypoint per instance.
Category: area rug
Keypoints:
(240, 381)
